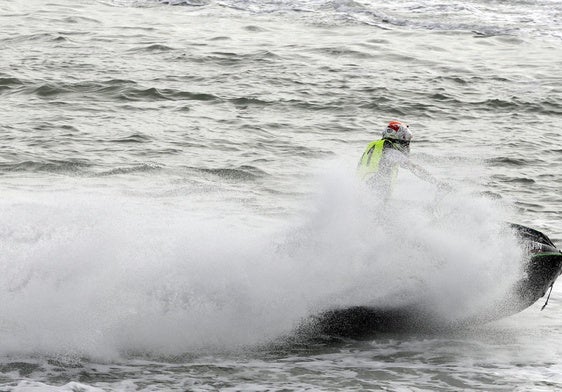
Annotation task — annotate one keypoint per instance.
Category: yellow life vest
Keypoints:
(369, 164)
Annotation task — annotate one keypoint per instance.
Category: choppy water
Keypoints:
(178, 192)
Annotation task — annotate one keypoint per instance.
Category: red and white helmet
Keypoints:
(397, 130)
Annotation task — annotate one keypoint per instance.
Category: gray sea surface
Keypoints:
(178, 192)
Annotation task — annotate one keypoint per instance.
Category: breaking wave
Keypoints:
(484, 18)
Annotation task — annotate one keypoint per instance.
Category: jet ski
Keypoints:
(542, 267)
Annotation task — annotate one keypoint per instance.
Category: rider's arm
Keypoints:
(420, 172)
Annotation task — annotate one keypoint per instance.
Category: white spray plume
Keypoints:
(107, 276)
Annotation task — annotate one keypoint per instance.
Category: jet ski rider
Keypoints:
(378, 165)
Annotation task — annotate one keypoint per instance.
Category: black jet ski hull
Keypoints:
(543, 267)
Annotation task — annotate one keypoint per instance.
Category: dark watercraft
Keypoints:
(543, 266)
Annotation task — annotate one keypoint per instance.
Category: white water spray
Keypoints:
(106, 276)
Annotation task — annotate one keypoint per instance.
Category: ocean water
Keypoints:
(178, 192)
